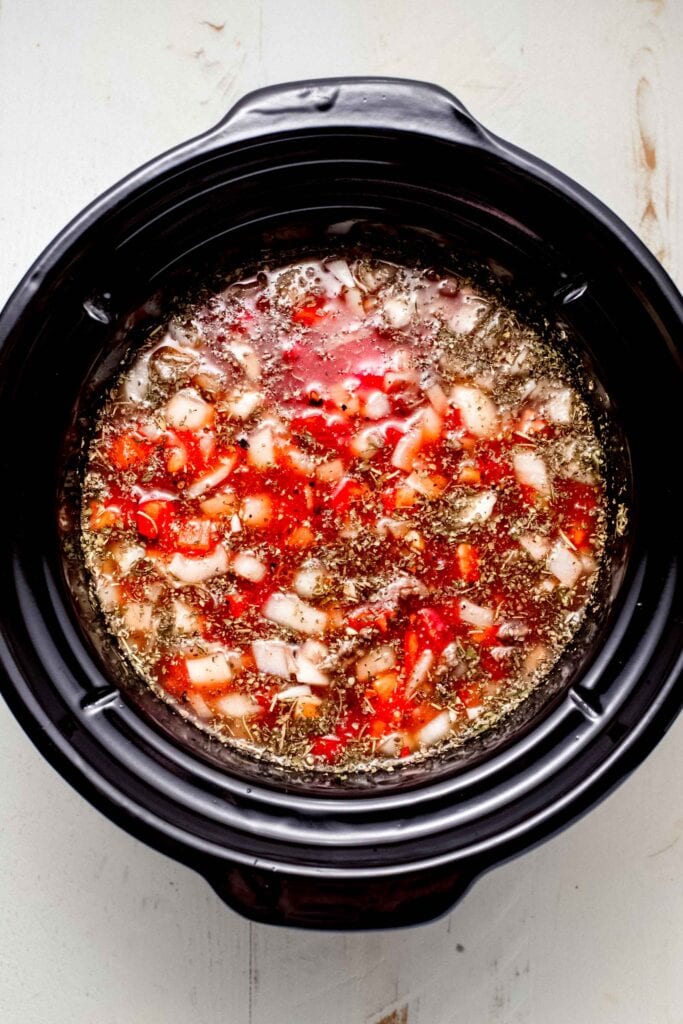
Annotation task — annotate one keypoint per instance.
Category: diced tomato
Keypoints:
(331, 430)
(576, 505)
(529, 494)
(291, 352)
(453, 420)
(468, 562)
(127, 451)
(420, 714)
(194, 536)
(496, 668)
(300, 537)
(327, 748)
(153, 519)
(398, 497)
(391, 709)
(494, 463)
(311, 311)
(411, 646)
(175, 677)
(469, 475)
(238, 604)
(103, 517)
(578, 535)
(345, 493)
(485, 637)
(432, 630)
(470, 694)
(188, 452)
(529, 423)
(371, 616)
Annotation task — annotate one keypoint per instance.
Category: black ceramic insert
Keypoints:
(285, 164)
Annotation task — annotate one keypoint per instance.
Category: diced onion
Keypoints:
(558, 407)
(289, 610)
(375, 662)
(261, 453)
(196, 569)
(127, 555)
(216, 476)
(314, 650)
(468, 309)
(238, 705)
(294, 693)
(438, 399)
(137, 616)
(423, 666)
(209, 670)
(431, 424)
(187, 410)
(391, 745)
(248, 566)
(431, 485)
(200, 707)
(330, 472)
(354, 300)
(397, 312)
(341, 270)
(535, 658)
(184, 619)
(406, 450)
(274, 658)
(221, 504)
(345, 398)
(513, 629)
(376, 406)
(242, 406)
(256, 511)
(475, 614)
(478, 507)
(478, 411)
(531, 470)
(564, 564)
(247, 358)
(535, 545)
(395, 527)
(434, 731)
(307, 671)
(109, 593)
(309, 581)
(367, 442)
(299, 460)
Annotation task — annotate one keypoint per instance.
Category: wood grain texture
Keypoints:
(94, 927)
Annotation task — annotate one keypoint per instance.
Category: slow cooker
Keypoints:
(288, 165)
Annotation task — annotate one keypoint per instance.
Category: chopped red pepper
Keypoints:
(307, 314)
(468, 562)
(194, 536)
(127, 451)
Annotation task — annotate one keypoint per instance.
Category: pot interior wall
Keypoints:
(282, 195)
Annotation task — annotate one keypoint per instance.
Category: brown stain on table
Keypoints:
(399, 1016)
(651, 170)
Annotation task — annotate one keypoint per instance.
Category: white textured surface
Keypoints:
(94, 927)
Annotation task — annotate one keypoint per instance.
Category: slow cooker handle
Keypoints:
(274, 897)
(383, 104)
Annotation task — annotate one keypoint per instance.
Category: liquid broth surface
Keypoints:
(344, 512)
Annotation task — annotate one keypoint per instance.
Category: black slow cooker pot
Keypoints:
(401, 847)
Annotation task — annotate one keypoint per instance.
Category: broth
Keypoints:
(344, 511)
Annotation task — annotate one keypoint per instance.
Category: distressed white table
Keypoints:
(94, 927)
